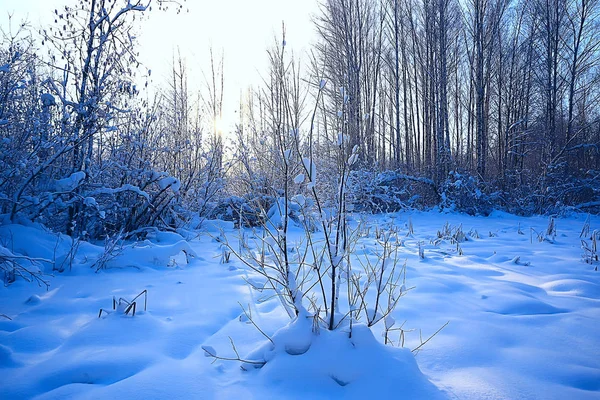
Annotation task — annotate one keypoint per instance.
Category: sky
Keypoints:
(241, 29)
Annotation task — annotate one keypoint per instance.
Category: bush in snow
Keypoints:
(465, 193)
(315, 280)
(390, 191)
(80, 154)
(560, 192)
(248, 210)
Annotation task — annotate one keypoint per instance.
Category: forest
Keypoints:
(474, 106)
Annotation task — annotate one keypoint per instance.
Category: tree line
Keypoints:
(491, 101)
(506, 91)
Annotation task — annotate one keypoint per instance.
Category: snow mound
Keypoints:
(331, 364)
(573, 287)
(148, 254)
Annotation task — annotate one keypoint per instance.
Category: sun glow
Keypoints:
(220, 126)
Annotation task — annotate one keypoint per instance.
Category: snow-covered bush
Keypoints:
(86, 156)
(246, 211)
(390, 191)
(465, 193)
(560, 192)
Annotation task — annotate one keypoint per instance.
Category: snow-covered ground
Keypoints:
(524, 320)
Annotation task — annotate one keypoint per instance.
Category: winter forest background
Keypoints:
(406, 208)
(470, 105)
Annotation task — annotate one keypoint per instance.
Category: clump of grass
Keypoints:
(585, 231)
(590, 250)
(70, 257)
(551, 229)
(410, 227)
(125, 306)
(225, 255)
(549, 235)
(454, 235)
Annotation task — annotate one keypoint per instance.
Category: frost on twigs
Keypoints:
(15, 266)
(375, 284)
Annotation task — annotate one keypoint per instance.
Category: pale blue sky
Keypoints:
(243, 28)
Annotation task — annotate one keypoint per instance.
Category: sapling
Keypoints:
(384, 279)
(315, 279)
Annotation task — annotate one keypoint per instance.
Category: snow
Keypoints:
(169, 182)
(311, 169)
(125, 188)
(287, 153)
(70, 183)
(90, 202)
(523, 319)
(352, 159)
(299, 199)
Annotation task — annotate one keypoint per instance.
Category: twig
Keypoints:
(417, 349)
(209, 352)
(253, 323)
